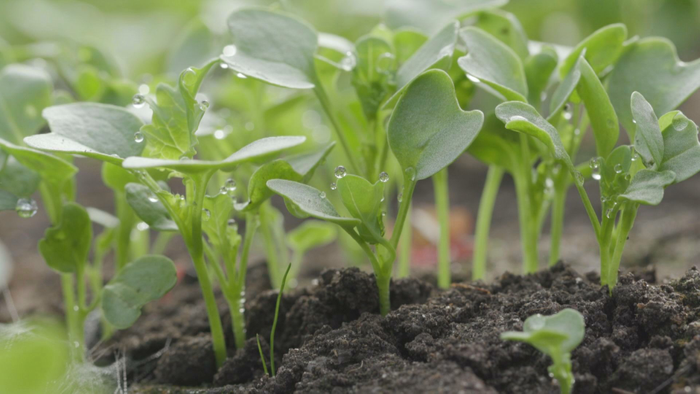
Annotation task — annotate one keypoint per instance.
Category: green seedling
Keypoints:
(556, 336)
(274, 328)
(428, 131)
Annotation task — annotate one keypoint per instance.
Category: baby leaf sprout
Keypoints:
(556, 336)
(427, 131)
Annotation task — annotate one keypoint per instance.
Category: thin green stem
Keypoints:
(557, 221)
(382, 277)
(75, 330)
(238, 288)
(629, 213)
(405, 244)
(262, 356)
(274, 322)
(442, 209)
(528, 224)
(587, 204)
(273, 265)
(328, 108)
(404, 206)
(483, 220)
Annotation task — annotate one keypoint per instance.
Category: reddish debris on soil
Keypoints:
(642, 339)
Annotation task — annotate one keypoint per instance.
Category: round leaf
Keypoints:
(152, 213)
(66, 246)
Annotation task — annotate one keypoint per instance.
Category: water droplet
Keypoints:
(594, 163)
(383, 214)
(383, 177)
(577, 131)
(219, 134)
(618, 168)
(634, 121)
(596, 176)
(382, 200)
(628, 177)
(230, 50)
(322, 195)
(138, 101)
(680, 122)
(76, 308)
(142, 226)
(400, 197)
(516, 118)
(230, 185)
(608, 213)
(207, 214)
(76, 344)
(340, 172)
(231, 222)
(348, 62)
(241, 76)
(189, 77)
(473, 78)
(26, 208)
(567, 107)
(138, 137)
(223, 190)
(410, 174)
(567, 115)
(184, 158)
(144, 89)
(333, 186)
(203, 105)
(579, 178)
(223, 65)
(385, 63)
(152, 197)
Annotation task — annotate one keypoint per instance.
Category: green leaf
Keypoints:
(614, 171)
(306, 163)
(222, 234)
(8, 201)
(651, 67)
(521, 117)
(599, 108)
(648, 140)
(101, 131)
(363, 201)
(430, 15)
(65, 247)
(18, 179)
(153, 213)
(435, 53)
(311, 234)
(115, 177)
(104, 219)
(144, 280)
(24, 92)
(311, 201)
(538, 70)
(428, 130)
(258, 192)
(52, 169)
(273, 47)
(196, 44)
(494, 63)
(371, 77)
(564, 91)
(496, 145)
(647, 187)
(506, 28)
(601, 48)
(406, 43)
(556, 334)
(681, 146)
(258, 149)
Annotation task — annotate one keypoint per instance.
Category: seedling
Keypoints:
(556, 336)
(274, 328)
(427, 131)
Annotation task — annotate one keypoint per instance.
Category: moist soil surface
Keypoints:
(644, 338)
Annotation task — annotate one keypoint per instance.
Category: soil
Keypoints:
(644, 338)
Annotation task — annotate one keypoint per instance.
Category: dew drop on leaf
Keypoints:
(608, 213)
(516, 118)
(138, 101)
(410, 174)
(230, 185)
(189, 77)
(203, 105)
(340, 172)
(241, 76)
(322, 195)
(333, 186)
(385, 61)
(231, 222)
(223, 65)
(618, 168)
(579, 178)
(26, 207)
(383, 177)
(400, 197)
(230, 50)
(138, 137)
(348, 62)
(142, 226)
(152, 197)
(679, 122)
(207, 214)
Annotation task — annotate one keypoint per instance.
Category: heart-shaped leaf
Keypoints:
(24, 92)
(430, 15)
(144, 280)
(681, 146)
(101, 131)
(599, 108)
(648, 140)
(65, 247)
(602, 48)
(523, 118)
(261, 148)
(363, 201)
(651, 67)
(148, 208)
(273, 47)
(493, 63)
(647, 187)
(311, 234)
(310, 201)
(428, 130)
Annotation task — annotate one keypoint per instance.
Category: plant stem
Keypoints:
(237, 318)
(528, 224)
(274, 322)
(75, 331)
(262, 357)
(382, 272)
(405, 244)
(328, 108)
(273, 266)
(442, 209)
(383, 288)
(557, 221)
(629, 213)
(161, 242)
(404, 206)
(483, 220)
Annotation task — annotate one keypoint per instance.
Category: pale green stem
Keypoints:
(234, 300)
(273, 265)
(483, 220)
(557, 227)
(328, 108)
(627, 218)
(528, 225)
(404, 206)
(442, 209)
(405, 245)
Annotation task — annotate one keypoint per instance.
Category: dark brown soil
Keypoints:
(644, 338)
